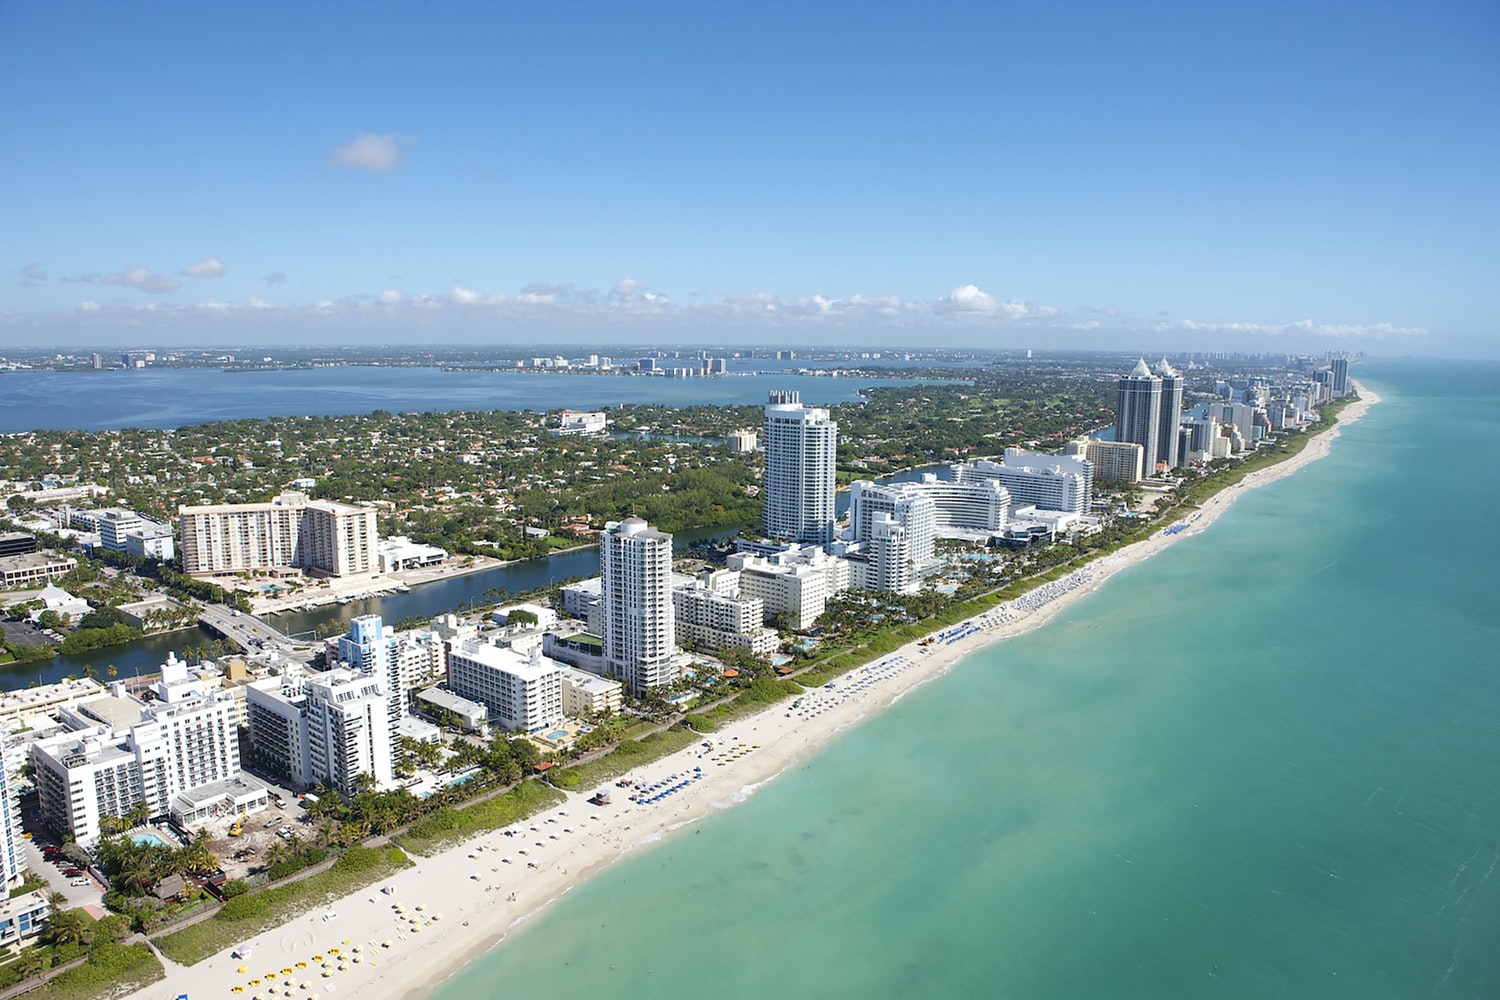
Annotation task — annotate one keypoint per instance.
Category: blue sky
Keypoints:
(1175, 176)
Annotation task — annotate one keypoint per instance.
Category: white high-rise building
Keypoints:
(794, 585)
(894, 565)
(290, 531)
(712, 614)
(12, 857)
(331, 727)
(801, 448)
(184, 741)
(522, 690)
(635, 562)
(1138, 413)
(1051, 482)
(349, 729)
(897, 524)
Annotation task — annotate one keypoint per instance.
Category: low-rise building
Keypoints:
(585, 693)
(439, 704)
(398, 552)
(22, 918)
(580, 422)
(153, 541)
(33, 568)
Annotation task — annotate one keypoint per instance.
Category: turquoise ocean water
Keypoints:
(1265, 763)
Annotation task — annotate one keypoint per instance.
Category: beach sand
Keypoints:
(471, 895)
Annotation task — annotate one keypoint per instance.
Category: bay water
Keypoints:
(1264, 763)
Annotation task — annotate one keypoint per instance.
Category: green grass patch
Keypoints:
(631, 754)
(111, 970)
(449, 825)
(248, 915)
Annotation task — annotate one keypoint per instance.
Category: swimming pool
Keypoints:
(560, 734)
(142, 839)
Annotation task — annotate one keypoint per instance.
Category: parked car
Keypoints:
(80, 881)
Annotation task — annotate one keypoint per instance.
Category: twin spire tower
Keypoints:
(1148, 411)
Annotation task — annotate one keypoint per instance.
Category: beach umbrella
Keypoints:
(244, 970)
(385, 944)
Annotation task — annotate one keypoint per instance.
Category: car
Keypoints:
(80, 881)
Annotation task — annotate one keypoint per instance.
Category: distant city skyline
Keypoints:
(1089, 176)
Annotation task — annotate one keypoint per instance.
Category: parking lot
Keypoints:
(88, 893)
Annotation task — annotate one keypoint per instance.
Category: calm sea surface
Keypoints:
(172, 397)
(1262, 764)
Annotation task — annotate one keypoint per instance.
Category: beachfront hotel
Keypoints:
(793, 585)
(332, 727)
(801, 448)
(522, 689)
(1115, 461)
(712, 614)
(1051, 482)
(635, 562)
(121, 750)
(288, 532)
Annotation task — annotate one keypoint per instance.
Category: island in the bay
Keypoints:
(454, 772)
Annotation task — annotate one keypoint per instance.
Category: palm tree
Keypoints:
(68, 927)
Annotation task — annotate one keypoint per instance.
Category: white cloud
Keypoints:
(136, 277)
(629, 309)
(208, 267)
(971, 299)
(377, 154)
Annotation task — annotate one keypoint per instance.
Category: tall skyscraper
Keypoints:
(1171, 416)
(1138, 412)
(1340, 368)
(635, 563)
(801, 445)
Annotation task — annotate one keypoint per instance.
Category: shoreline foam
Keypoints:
(567, 845)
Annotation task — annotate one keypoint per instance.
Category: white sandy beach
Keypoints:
(459, 903)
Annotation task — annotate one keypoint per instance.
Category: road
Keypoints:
(246, 631)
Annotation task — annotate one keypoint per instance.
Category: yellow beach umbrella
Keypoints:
(244, 970)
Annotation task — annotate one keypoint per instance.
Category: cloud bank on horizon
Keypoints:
(966, 315)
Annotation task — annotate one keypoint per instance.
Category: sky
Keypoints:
(1177, 176)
